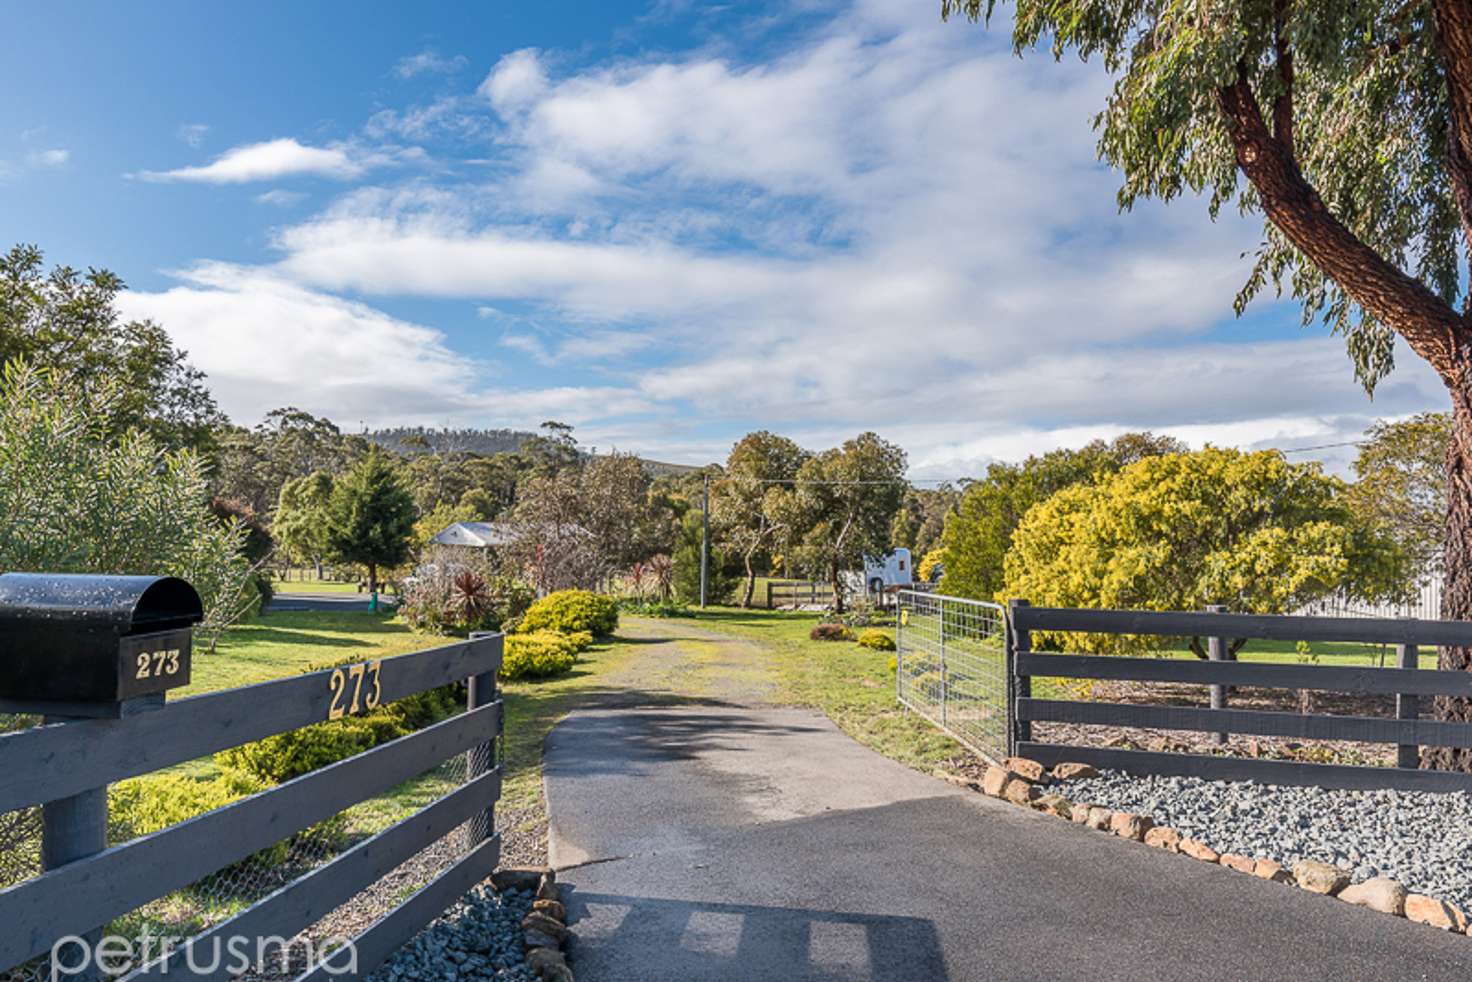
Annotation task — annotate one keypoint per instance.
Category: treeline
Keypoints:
(421, 439)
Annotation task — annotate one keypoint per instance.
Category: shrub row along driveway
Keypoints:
(724, 838)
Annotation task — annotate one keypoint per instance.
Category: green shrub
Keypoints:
(876, 640)
(830, 632)
(294, 753)
(653, 608)
(571, 610)
(142, 805)
(540, 654)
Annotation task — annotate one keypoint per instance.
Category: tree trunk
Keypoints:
(1456, 593)
(837, 587)
(372, 578)
(750, 581)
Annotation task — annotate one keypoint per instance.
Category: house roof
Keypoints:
(477, 535)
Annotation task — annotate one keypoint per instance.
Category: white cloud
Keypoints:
(517, 81)
(193, 134)
(428, 61)
(893, 225)
(280, 197)
(266, 342)
(54, 157)
(267, 161)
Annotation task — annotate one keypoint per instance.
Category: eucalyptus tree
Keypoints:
(746, 503)
(1347, 126)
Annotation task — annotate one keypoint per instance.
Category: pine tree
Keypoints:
(370, 516)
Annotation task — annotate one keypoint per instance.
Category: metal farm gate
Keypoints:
(91, 888)
(950, 666)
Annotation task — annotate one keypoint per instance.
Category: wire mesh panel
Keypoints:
(950, 666)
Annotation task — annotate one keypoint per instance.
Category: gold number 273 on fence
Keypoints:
(353, 675)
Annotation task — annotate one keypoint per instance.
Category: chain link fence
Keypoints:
(950, 666)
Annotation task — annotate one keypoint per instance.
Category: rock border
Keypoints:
(544, 928)
(1022, 782)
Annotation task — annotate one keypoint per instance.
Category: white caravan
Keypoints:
(885, 572)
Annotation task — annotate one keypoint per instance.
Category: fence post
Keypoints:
(769, 594)
(1018, 686)
(899, 647)
(480, 691)
(944, 685)
(1407, 707)
(72, 828)
(1216, 650)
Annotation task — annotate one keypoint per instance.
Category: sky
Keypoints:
(666, 223)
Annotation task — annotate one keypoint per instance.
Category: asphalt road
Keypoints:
(339, 602)
(724, 842)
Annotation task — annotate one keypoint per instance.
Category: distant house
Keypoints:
(476, 535)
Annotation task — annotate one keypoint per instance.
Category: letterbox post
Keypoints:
(89, 646)
(73, 828)
(480, 691)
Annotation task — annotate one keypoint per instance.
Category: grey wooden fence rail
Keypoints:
(783, 592)
(1406, 683)
(57, 761)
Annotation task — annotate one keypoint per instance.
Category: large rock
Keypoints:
(1099, 818)
(1438, 913)
(547, 888)
(1317, 877)
(1128, 825)
(549, 965)
(1380, 893)
(524, 878)
(538, 921)
(539, 939)
(1080, 812)
(1199, 850)
(552, 908)
(1242, 864)
(1019, 792)
(1054, 804)
(1028, 770)
(1267, 869)
(994, 781)
(1164, 837)
(1068, 771)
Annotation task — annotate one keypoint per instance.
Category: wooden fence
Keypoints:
(790, 593)
(67, 766)
(1406, 683)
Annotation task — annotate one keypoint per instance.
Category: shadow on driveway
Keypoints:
(723, 941)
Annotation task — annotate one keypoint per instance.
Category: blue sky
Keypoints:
(666, 223)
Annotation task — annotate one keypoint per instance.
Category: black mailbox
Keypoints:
(77, 644)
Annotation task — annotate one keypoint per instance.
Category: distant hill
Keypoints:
(482, 442)
(658, 468)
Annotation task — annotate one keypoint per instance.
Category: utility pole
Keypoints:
(704, 539)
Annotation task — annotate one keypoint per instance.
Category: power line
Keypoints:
(1325, 446)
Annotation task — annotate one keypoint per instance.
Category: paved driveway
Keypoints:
(719, 841)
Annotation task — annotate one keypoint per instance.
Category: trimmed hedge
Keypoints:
(143, 805)
(567, 611)
(296, 752)
(541, 654)
(876, 640)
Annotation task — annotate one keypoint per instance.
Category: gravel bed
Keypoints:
(479, 937)
(1420, 839)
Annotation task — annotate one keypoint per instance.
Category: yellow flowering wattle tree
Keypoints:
(1181, 531)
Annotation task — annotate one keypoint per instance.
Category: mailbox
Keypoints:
(84, 645)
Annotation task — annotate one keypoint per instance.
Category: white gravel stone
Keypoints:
(1420, 839)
